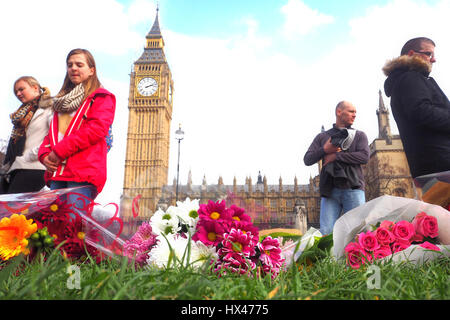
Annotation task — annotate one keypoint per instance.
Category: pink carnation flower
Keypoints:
(138, 246)
(235, 264)
(270, 252)
(209, 232)
(215, 211)
(244, 226)
(238, 243)
(238, 214)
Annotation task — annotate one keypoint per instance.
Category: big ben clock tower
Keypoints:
(150, 114)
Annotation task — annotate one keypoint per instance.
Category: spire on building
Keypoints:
(155, 31)
(260, 181)
(384, 128)
(154, 48)
(381, 105)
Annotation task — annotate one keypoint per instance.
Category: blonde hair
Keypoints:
(32, 82)
(90, 85)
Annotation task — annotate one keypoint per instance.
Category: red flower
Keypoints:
(384, 236)
(355, 254)
(425, 225)
(400, 245)
(215, 211)
(209, 232)
(368, 241)
(403, 230)
(238, 214)
(429, 246)
(270, 252)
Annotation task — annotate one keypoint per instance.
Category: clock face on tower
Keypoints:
(147, 86)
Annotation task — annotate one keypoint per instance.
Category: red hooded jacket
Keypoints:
(83, 149)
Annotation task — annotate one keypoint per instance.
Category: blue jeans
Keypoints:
(90, 191)
(340, 201)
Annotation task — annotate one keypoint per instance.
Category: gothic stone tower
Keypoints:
(387, 171)
(150, 115)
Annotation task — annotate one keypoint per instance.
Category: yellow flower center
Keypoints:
(237, 247)
(267, 252)
(236, 218)
(54, 207)
(215, 215)
(212, 236)
(80, 235)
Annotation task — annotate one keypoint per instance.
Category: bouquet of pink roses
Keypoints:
(390, 237)
(394, 228)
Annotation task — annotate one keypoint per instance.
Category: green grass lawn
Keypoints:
(325, 279)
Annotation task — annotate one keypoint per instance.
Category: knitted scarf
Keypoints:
(69, 102)
(21, 119)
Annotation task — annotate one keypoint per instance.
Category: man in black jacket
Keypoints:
(343, 150)
(420, 108)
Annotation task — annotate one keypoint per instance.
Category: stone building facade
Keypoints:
(270, 206)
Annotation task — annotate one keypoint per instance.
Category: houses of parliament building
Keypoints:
(146, 186)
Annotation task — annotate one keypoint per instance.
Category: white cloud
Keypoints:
(301, 19)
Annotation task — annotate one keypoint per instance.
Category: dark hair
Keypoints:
(415, 44)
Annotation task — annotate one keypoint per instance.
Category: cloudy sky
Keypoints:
(254, 80)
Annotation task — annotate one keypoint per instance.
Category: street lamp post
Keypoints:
(179, 135)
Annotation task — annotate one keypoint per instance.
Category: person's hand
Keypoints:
(329, 148)
(51, 162)
(329, 158)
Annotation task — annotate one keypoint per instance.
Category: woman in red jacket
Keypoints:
(74, 151)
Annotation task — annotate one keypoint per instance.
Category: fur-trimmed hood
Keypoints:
(398, 66)
(407, 63)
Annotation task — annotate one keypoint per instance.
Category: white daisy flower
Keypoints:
(165, 222)
(201, 254)
(187, 211)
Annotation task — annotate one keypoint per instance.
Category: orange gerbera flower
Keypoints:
(14, 232)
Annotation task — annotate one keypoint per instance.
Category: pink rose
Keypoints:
(382, 252)
(368, 241)
(384, 236)
(429, 246)
(355, 255)
(400, 246)
(403, 230)
(387, 225)
(425, 225)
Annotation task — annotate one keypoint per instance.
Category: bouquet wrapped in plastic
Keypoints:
(188, 234)
(355, 234)
(32, 223)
